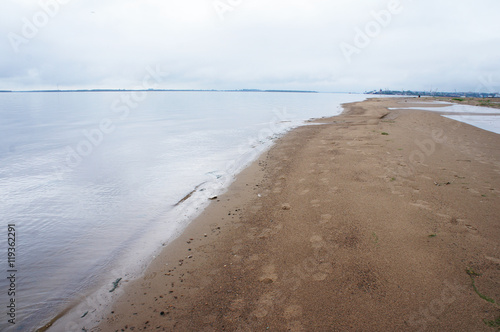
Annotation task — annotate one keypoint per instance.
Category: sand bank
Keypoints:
(374, 220)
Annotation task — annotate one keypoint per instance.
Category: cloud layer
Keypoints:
(339, 45)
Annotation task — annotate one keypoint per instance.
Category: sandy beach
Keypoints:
(374, 220)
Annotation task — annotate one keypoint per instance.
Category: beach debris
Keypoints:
(442, 184)
(384, 133)
(212, 198)
(85, 314)
(115, 284)
(473, 274)
(190, 194)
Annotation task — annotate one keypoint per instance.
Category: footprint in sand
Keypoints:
(445, 216)
(260, 313)
(333, 190)
(150, 276)
(236, 259)
(267, 232)
(320, 276)
(264, 306)
(471, 228)
(422, 204)
(252, 233)
(236, 248)
(255, 208)
(473, 191)
(295, 326)
(254, 258)
(237, 305)
(293, 311)
(235, 310)
(315, 203)
(269, 274)
(317, 241)
(325, 218)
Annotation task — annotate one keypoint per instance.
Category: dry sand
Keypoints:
(375, 220)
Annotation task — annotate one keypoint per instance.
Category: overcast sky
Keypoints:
(324, 45)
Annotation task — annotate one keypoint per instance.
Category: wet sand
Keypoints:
(374, 220)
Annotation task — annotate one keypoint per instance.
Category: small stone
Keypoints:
(285, 206)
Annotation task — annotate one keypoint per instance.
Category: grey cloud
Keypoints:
(257, 44)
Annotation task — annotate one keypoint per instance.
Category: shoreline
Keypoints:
(232, 257)
(199, 198)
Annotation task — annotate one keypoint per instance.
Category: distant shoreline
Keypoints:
(161, 90)
(457, 95)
